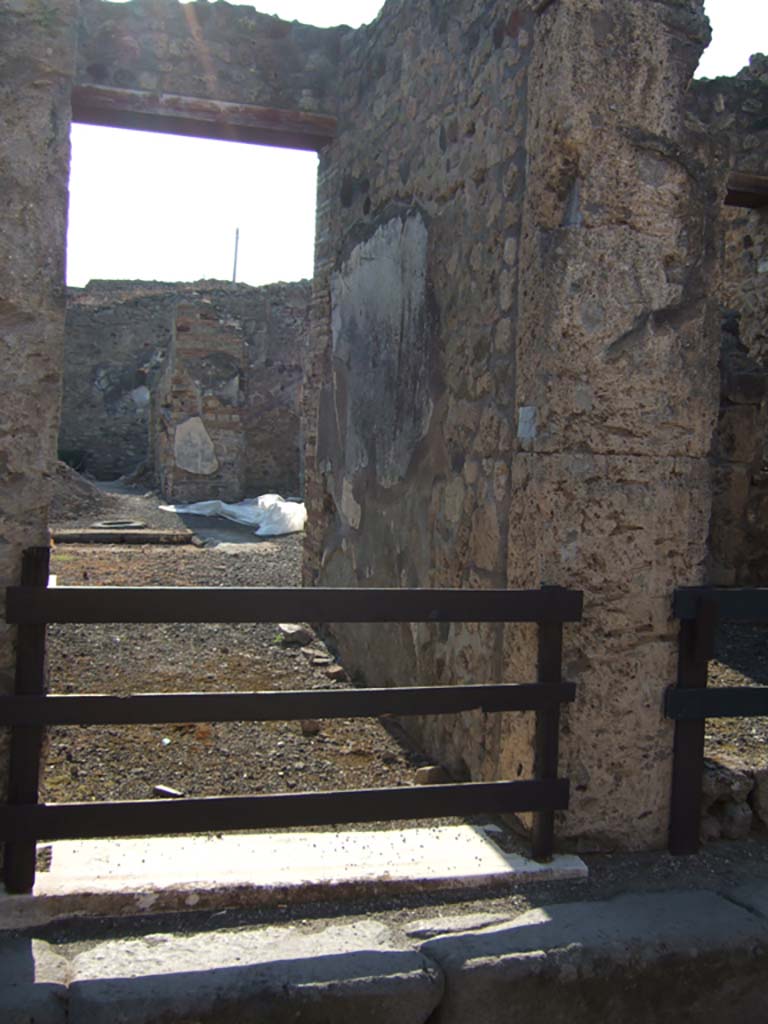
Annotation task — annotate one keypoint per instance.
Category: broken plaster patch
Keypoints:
(350, 508)
(527, 423)
(140, 396)
(382, 349)
(193, 449)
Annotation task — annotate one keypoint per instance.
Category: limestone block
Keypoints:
(193, 449)
(725, 811)
(601, 339)
(343, 973)
(723, 783)
(33, 982)
(625, 531)
(638, 958)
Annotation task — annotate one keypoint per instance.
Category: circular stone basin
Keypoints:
(119, 524)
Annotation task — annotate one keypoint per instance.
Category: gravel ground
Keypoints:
(127, 762)
(231, 758)
(741, 660)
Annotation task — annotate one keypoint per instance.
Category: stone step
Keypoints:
(641, 958)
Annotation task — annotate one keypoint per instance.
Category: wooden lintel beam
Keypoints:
(201, 118)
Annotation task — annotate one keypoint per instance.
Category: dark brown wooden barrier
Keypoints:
(690, 703)
(31, 606)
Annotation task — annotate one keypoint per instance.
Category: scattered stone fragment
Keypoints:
(293, 633)
(724, 784)
(725, 811)
(431, 775)
(316, 651)
(736, 821)
(321, 660)
(493, 830)
(337, 673)
(167, 791)
(709, 830)
(310, 727)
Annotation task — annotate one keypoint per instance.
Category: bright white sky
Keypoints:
(155, 207)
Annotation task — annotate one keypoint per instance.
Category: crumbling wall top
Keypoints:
(212, 51)
(738, 109)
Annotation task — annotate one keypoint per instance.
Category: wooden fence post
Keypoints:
(27, 740)
(547, 739)
(696, 647)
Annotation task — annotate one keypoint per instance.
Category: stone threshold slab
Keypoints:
(139, 876)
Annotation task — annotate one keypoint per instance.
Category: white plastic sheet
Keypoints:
(270, 513)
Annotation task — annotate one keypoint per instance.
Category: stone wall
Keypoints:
(514, 369)
(215, 52)
(37, 56)
(734, 109)
(210, 51)
(741, 496)
(419, 217)
(738, 541)
(512, 377)
(121, 344)
(117, 338)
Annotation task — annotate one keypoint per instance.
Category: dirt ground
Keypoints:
(200, 760)
(741, 660)
(129, 762)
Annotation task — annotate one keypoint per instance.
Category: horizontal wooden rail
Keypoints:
(162, 708)
(724, 702)
(32, 606)
(747, 190)
(219, 814)
(734, 604)
(35, 605)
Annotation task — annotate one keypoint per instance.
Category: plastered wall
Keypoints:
(531, 397)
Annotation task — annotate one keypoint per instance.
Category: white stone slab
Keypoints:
(166, 874)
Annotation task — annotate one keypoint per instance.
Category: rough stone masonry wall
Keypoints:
(419, 214)
(617, 372)
(149, 44)
(37, 54)
(515, 356)
(196, 424)
(736, 111)
(208, 50)
(117, 340)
